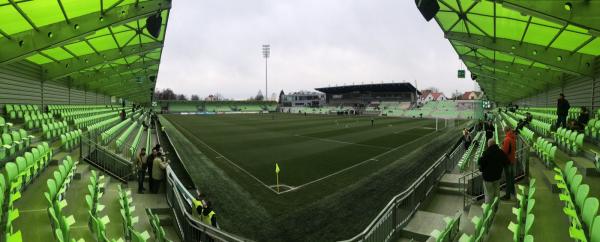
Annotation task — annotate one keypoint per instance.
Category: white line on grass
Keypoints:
(236, 165)
(355, 165)
(342, 142)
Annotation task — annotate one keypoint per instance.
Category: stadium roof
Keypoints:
(382, 87)
(518, 48)
(100, 46)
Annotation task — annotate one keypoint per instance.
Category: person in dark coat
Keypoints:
(582, 120)
(489, 130)
(562, 111)
(490, 164)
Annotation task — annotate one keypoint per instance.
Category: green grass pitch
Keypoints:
(320, 157)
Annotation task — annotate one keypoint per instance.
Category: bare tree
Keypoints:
(181, 97)
(456, 95)
(195, 97)
(433, 89)
(259, 96)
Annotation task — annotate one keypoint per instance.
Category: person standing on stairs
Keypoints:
(562, 111)
(149, 165)
(160, 164)
(509, 146)
(490, 164)
(141, 169)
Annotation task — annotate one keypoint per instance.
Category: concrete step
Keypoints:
(585, 166)
(422, 224)
(548, 180)
(450, 180)
(449, 190)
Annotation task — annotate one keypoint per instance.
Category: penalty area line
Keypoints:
(374, 158)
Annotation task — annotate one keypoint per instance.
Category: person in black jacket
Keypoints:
(562, 111)
(490, 164)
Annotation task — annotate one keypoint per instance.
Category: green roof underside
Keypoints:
(518, 48)
(100, 46)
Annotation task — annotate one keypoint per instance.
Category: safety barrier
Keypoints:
(398, 212)
(105, 160)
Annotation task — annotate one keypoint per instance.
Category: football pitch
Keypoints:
(319, 157)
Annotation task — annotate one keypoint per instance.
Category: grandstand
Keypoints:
(217, 106)
(76, 108)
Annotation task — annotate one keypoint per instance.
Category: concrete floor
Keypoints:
(33, 221)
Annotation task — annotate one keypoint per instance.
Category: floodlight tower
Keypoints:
(266, 50)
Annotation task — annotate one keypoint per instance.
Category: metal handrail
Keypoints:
(116, 167)
(387, 211)
(190, 226)
(191, 229)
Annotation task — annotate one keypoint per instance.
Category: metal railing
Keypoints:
(105, 160)
(190, 229)
(398, 212)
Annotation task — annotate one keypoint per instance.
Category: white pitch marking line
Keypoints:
(342, 142)
(236, 165)
(355, 165)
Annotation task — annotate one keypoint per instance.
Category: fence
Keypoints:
(106, 160)
(398, 212)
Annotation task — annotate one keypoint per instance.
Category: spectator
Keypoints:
(524, 122)
(141, 169)
(490, 164)
(122, 114)
(582, 120)
(160, 163)
(150, 161)
(509, 146)
(466, 137)
(198, 203)
(489, 130)
(209, 215)
(562, 111)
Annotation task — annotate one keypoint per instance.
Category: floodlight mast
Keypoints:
(266, 51)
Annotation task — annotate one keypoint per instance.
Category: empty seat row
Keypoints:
(70, 140)
(110, 133)
(28, 166)
(35, 119)
(546, 150)
(96, 223)
(571, 140)
(157, 229)
(15, 111)
(18, 174)
(14, 143)
(57, 187)
(54, 129)
(482, 226)
(122, 139)
(449, 232)
(581, 209)
(127, 209)
(98, 127)
(466, 158)
(523, 213)
(4, 126)
(89, 120)
(135, 144)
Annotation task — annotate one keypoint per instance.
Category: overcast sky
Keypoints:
(215, 46)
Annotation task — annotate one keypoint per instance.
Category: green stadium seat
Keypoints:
(589, 211)
(4, 126)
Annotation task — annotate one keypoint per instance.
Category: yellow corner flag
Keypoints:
(277, 175)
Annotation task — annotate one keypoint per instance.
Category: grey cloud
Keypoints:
(214, 46)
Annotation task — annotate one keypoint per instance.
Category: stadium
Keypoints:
(362, 162)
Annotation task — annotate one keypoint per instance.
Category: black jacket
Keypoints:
(562, 107)
(491, 162)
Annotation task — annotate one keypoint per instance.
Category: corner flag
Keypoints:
(277, 175)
